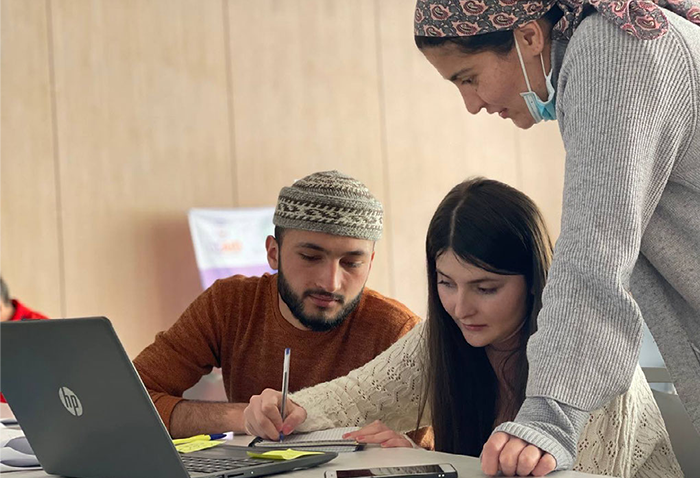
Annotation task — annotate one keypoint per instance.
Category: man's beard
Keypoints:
(317, 323)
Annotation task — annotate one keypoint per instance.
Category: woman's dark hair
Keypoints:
(499, 229)
(500, 42)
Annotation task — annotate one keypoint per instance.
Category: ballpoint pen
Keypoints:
(285, 383)
(214, 436)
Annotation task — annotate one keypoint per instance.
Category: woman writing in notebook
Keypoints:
(464, 370)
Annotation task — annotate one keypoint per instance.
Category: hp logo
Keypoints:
(71, 401)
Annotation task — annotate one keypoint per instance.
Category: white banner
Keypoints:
(230, 241)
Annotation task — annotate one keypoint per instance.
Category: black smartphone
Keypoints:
(443, 470)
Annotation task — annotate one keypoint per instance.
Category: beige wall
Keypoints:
(117, 117)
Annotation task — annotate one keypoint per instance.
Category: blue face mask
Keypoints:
(540, 110)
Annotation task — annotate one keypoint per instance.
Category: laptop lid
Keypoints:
(84, 408)
(81, 403)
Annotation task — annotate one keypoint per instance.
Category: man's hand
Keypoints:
(264, 419)
(377, 432)
(513, 456)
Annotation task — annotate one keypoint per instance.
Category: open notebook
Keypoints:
(323, 440)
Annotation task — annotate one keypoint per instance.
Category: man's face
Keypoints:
(321, 276)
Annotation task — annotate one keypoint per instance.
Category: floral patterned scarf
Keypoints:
(460, 18)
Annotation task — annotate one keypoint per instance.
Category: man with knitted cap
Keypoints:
(326, 225)
(324, 204)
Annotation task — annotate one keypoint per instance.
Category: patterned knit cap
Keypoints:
(330, 202)
(462, 18)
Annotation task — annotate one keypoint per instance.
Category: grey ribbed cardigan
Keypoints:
(629, 248)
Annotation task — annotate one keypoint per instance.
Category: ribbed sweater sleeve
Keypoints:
(180, 356)
(626, 110)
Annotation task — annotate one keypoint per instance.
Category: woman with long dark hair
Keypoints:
(487, 252)
(464, 370)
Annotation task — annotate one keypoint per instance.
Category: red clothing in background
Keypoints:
(22, 312)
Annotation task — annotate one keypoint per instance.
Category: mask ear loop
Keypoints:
(522, 63)
(544, 72)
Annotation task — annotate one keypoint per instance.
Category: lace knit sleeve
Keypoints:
(386, 388)
(628, 438)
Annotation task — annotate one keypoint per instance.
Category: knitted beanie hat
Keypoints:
(330, 202)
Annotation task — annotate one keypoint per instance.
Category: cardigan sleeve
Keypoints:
(627, 437)
(388, 388)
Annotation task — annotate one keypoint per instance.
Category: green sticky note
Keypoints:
(287, 454)
(196, 446)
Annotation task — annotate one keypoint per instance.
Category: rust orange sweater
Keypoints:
(236, 324)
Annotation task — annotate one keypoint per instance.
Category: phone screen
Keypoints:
(391, 471)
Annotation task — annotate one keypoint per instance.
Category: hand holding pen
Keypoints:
(271, 415)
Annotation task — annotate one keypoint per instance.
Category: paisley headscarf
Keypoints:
(461, 18)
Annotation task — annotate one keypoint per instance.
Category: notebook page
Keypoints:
(321, 437)
(332, 434)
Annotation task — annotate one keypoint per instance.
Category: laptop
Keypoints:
(86, 413)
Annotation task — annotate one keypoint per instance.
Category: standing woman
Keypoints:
(623, 80)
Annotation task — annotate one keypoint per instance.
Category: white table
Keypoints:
(467, 467)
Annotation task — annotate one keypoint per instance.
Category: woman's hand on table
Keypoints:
(377, 432)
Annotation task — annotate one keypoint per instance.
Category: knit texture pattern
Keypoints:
(625, 438)
(330, 202)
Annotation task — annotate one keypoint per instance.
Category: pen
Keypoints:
(285, 383)
(215, 436)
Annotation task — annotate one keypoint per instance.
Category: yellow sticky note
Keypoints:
(180, 441)
(196, 445)
(287, 454)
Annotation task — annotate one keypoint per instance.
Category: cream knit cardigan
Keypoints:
(625, 438)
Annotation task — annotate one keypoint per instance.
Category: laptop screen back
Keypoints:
(81, 403)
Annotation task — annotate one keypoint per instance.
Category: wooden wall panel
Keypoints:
(306, 99)
(29, 252)
(170, 104)
(143, 133)
(432, 144)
